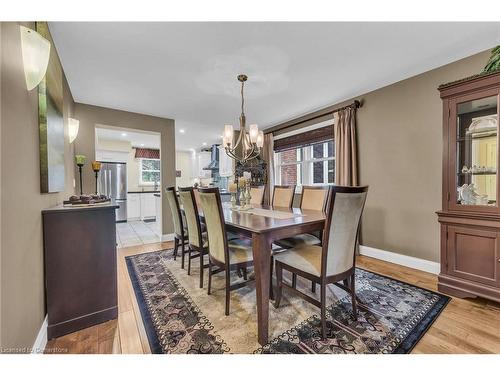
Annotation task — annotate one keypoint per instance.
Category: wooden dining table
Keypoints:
(264, 225)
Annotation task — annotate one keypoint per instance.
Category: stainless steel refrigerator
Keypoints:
(113, 183)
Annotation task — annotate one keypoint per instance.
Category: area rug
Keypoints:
(179, 317)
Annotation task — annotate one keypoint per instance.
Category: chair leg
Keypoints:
(294, 281)
(183, 253)
(323, 310)
(189, 260)
(228, 291)
(313, 287)
(279, 281)
(353, 297)
(209, 275)
(176, 246)
(271, 288)
(201, 267)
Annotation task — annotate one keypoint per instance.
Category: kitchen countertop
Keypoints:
(143, 192)
(68, 208)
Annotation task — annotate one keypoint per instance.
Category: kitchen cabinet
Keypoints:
(148, 208)
(133, 206)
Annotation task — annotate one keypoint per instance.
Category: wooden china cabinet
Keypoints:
(470, 217)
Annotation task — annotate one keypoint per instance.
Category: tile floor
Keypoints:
(133, 233)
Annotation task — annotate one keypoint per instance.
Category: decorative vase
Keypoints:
(233, 200)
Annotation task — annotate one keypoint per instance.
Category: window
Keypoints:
(149, 171)
(309, 165)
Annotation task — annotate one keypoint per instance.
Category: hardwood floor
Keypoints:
(465, 326)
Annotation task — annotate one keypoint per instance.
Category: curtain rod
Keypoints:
(354, 105)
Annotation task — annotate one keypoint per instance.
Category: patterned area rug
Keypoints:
(180, 317)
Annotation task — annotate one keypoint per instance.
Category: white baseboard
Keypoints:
(403, 260)
(41, 338)
(168, 237)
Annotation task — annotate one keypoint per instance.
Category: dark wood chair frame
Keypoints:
(284, 187)
(193, 250)
(347, 277)
(226, 266)
(179, 241)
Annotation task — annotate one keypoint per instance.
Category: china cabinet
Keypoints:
(470, 215)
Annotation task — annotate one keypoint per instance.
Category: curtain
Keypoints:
(268, 157)
(147, 153)
(346, 149)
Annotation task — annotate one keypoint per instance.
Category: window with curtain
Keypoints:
(306, 165)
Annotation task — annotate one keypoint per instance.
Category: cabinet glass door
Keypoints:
(477, 151)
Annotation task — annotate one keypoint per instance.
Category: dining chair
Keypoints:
(335, 260)
(197, 240)
(180, 231)
(257, 195)
(283, 196)
(226, 255)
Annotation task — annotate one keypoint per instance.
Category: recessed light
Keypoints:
(204, 143)
(182, 131)
(124, 134)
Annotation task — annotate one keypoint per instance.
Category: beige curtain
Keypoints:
(268, 156)
(346, 149)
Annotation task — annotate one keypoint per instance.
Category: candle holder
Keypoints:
(80, 162)
(96, 167)
(233, 200)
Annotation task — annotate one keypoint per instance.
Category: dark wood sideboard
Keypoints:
(80, 267)
(470, 229)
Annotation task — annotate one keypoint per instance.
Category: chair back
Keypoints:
(283, 196)
(314, 198)
(196, 197)
(214, 220)
(192, 218)
(257, 194)
(340, 236)
(173, 202)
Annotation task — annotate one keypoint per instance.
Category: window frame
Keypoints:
(305, 167)
(148, 183)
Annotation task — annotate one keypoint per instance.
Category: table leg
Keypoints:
(261, 247)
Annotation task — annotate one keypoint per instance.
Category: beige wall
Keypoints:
(400, 155)
(90, 116)
(22, 283)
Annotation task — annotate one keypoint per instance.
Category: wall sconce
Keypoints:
(36, 53)
(73, 126)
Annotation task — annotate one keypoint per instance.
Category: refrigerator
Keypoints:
(113, 183)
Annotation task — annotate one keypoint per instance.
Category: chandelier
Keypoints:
(249, 144)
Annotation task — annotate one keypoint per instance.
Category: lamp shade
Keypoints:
(73, 126)
(260, 139)
(228, 133)
(254, 133)
(36, 53)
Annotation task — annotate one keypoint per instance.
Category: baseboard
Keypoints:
(168, 237)
(403, 260)
(41, 338)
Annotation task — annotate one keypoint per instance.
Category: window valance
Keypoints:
(147, 153)
(308, 138)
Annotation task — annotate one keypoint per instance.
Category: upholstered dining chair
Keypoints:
(334, 261)
(197, 240)
(312, 198)
(257, 195)
(180, 232)
(224, 254)
(283, 196)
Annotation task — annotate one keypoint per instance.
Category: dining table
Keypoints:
(265, 225)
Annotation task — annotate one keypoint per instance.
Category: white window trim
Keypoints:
(147, 183)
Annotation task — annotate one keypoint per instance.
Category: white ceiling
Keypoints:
(136, 138)
(187, 71)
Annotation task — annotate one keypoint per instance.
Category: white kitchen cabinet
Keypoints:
(148, 207)
(133, 206)
(204, 158)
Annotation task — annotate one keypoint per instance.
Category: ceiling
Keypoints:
(187, 71)
(136, 138)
